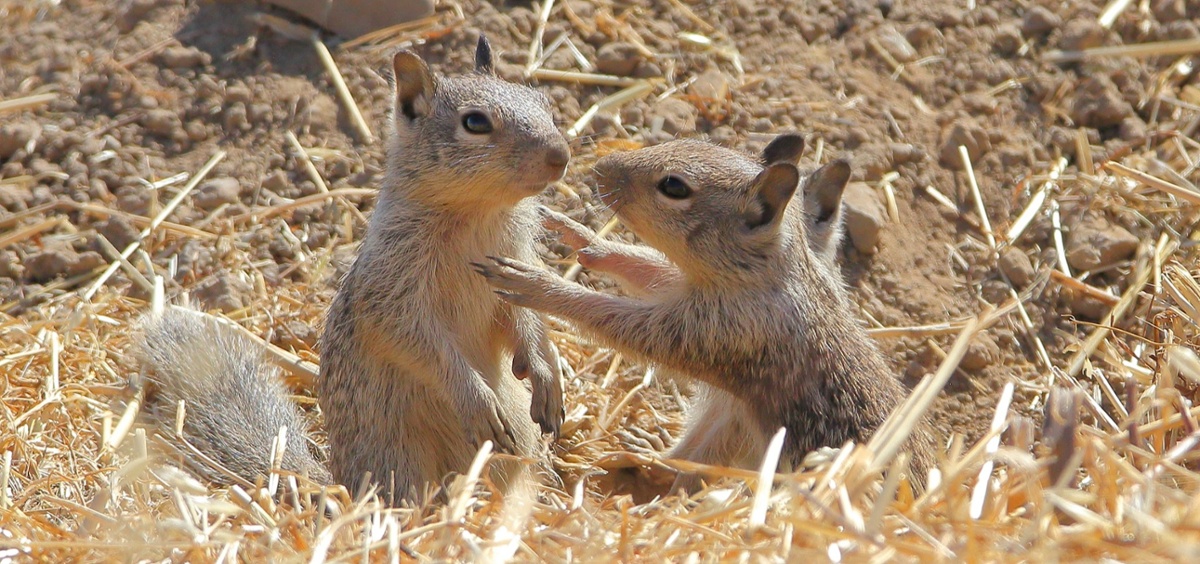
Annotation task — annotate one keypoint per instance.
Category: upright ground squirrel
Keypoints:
(418, 355)
(756, 308)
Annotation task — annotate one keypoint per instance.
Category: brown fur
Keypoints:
(420, 359)
(757, 310)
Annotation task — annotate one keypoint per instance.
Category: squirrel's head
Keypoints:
(484, 140)
(716, 213)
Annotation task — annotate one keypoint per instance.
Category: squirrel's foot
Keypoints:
(547, 406)
(486, 423)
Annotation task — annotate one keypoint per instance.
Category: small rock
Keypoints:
(1166, 11)
(238, 94)
(711, 84)
(135, 11)
(319, 114)
(1082, 33)
(118, 231)
(1016, 265)
(226, 293)
(1132, 129)
(1098, 103)
(49, 264)
(1008, 39)
(618, 58)
(679, 116)
(968, 133)
(1097, 244)
(14, 136)
(297, 335)
(161, 122)
(217, 192)
(864, 216)
(275, 182)
(179, 56)
(1086, 306)
(1040, 20)
(981, 353)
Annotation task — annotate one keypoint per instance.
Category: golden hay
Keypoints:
(1113, 476)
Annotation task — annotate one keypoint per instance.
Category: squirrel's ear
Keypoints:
(483, 56)
(823, 190)
(414, 85)
(773, 189)
(784, 149)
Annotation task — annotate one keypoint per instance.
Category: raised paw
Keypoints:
(573, 234)
(517, 282)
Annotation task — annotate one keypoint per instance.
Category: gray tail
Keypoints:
(234, 401)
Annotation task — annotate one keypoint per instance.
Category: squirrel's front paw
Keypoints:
(572, 233)
(515, 281)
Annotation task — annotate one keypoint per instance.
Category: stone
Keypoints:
(618, 58)
(679, 116)
(1039, 21)
(1098, 103)
(1015, 264)
(864, 216)
(217, 192)
(1098, 244)
(963, 132)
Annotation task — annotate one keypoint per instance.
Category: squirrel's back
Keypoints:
(234, 402)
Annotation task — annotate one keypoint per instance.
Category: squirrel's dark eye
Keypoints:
(674, 188)
(476, 122)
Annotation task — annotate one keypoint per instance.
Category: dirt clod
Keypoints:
(619, 58)
(1040, 20)
(14, 136)
(968, 133)
(679, 116)
(118, 231)
(226, 292)
(1015, 264)
(1098, 103)
(1098, 244)
(1082, 33)
(217, 192)
(49, 264)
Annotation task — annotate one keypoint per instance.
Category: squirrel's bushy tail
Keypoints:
(234, 401)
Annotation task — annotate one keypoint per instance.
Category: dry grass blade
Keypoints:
(1156, 49)
(27, 102)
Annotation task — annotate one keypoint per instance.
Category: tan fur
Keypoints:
(757, 309)
(420, 360)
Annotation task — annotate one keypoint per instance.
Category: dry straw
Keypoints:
(1111, 477)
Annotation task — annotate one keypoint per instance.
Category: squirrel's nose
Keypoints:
(557, 156)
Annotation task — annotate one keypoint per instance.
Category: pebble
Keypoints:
(1096, 244)
(1015, 264)
(1098, 103)
(864, 216)
(981, 353)
(1082, 33)
(619, 58)
(161, 122)
(1008, 39)
(217, 192)
(118, 231)
(46, 265)
(226, 293)
(180, 56)
(968, 133)
(679, 116)
(1040, 20)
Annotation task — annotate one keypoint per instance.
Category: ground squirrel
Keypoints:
(418, 354)
(744, 296)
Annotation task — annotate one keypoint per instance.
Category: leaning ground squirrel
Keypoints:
(418, 354)
(756, 308)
